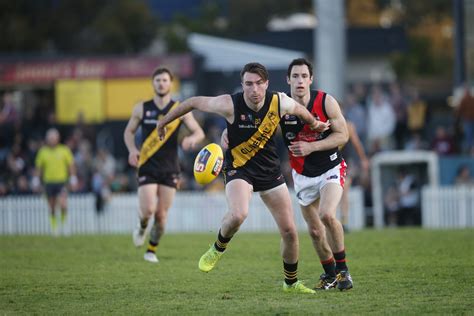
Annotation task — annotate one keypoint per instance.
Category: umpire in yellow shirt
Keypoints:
(55, 164)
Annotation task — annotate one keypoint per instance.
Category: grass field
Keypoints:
(405, 271)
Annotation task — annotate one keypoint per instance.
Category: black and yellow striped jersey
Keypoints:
(251, 136)
(165, 159)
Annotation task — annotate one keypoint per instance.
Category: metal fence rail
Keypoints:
(191, 212)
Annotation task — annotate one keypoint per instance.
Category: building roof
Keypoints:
(221, 54)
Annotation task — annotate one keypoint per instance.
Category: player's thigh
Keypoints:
(238, 193)
(311, 214)
(147, 196)
(165, 197)
(278, 201)
(331, 195)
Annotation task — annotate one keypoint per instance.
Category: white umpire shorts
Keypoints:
(308, 188)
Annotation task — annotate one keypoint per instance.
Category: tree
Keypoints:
(76, 26)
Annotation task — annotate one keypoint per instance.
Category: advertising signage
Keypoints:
(48, 71)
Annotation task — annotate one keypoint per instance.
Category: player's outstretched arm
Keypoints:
(290, 106)
(338, 137)
(221, 105)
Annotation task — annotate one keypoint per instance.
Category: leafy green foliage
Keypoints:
(420, 59)
(76, 26)
(406, 271)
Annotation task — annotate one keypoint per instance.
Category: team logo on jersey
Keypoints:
(290, 119)
(334, 176)
(290, 135)
(150, 113)
(310, 136)
(245, 118)
(249, 122)
(150, 121)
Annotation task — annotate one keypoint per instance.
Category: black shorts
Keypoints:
(55, 189)
(170, 179)
(269, 182)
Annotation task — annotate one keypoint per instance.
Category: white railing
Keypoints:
(191, 212)
(447, 207)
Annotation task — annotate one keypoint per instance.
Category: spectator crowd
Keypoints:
(386, 117)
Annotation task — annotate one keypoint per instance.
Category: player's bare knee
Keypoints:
(147, 212)
(160, 216)
(238, 218)
(316, 234)
(289, 234)
(328, 219)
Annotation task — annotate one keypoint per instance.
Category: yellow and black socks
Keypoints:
(329, 267)
(152, 246)
(290, 270)
(340, 261)
(143, 223)
(155, 236)
(221, 242)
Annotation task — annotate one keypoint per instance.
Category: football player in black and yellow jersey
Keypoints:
(157, 160)
(251, 162)
(318, 171)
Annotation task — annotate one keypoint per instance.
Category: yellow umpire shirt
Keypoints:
(54, 163)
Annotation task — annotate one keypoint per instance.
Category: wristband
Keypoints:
(35, 182)
(73, 180)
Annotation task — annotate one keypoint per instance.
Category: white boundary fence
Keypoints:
(447, 207)
(191, 212)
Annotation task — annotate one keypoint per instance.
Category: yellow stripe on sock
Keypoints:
(152, 248)
(221, 245)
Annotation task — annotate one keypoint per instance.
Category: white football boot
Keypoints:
(150, 257)
(139, 235)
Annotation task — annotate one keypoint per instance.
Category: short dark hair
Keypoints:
(161, 70)
(300, 62)
(255, 68)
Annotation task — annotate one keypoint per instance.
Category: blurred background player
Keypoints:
(318, 171)
(54, 165)
(354, 144)
(157, 161)
(252, 164)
